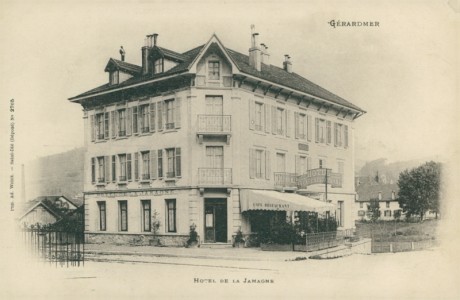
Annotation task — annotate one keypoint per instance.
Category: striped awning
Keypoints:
(272, 200)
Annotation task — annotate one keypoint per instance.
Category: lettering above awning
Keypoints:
(272, 200)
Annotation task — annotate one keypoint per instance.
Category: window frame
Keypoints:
(212, 74)
(123, 207)
(170, 210)
(146, 207)
(102, 215)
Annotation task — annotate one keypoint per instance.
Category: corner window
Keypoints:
(213, 70)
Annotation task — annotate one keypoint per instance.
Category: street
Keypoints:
(414, 275)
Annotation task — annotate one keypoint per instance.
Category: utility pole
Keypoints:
(326, 184)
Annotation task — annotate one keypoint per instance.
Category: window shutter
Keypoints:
(345, 135)
(288, 122)
(316, 130)
(328, 132)
(267, 118)
(152, 114)
(296, 125)
(112, 124)
(297, 167)
(164, 112)
(93, 170)
(153, 164)
(273, 119)
(309, 127)
(134, 120)
(136, 166)
(178, 163)
(252, 119)
(177, 112)
(114, 168)
(267, 165)
(106, 125)
(160, 115)
(107, 169)
(336, 135)
(117, 128)
(129, 167)
(160, 163)
(308, 162)
(252, 163)
(92, 128)
(129, 121)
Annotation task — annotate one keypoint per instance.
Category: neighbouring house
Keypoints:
(385, 193)
(215, 138)
(46, 210)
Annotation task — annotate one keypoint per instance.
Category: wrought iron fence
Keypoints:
(214, 124)
(65, 248)
(321, 240)
(214, 176)
(283, 179)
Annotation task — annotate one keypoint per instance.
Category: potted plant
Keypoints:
(155, 241)
(192, 242)
(239, 241)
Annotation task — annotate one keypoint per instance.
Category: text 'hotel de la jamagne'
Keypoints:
(214, 138)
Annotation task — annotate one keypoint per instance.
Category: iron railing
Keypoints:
(214, 176)
(283, 179)
(214, 124)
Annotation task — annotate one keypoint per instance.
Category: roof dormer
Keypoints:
(120, 71)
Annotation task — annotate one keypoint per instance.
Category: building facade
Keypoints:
(191, 138)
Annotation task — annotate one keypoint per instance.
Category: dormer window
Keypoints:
(158, 66)
(114, 78)
(213, 70)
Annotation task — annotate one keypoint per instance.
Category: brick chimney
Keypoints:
(255, 54)
(149, 43)
(287, 65)
(265, 56)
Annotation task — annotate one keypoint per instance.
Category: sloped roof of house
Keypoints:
(269, 73)
(366, 192)
(124, 66)
(47, 202)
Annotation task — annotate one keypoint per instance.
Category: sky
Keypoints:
(402, 73)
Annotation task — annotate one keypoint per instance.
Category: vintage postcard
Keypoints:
(229, 149)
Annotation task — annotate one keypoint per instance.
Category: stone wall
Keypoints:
(137, 239)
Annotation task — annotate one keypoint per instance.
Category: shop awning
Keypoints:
(272, 200)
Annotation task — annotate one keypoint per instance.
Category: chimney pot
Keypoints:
(155, 37)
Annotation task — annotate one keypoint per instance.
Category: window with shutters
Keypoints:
(387, 203)
(280, 121)
(213, 70)
(100, 126)
(169, 106)
(145, 165)
(123, 215)
(259, 164)
(340, 135)
(171, 215)
(259, 115)
(123, 168)
(106, 125)
(136, 166)
(144, 118)
(320, 130)
(100, 169)
(122, 122)
(102, 216)
(146, 215)
(302, 124)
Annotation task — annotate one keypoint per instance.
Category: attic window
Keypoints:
(114, 77)
(213, 70)
(158, 66)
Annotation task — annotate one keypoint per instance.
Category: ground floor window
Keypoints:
(146, 215)
(171, 215)
(340, 213)
(123, 215)
(102, 215)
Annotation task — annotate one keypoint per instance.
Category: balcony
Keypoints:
(285, 180)
(314, 176)
(214, 125)
(214, 177)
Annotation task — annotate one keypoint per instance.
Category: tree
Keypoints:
(419, 189)
(373, 209)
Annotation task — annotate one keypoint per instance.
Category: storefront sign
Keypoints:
(318, 176)
(136, 193)
(258, 205)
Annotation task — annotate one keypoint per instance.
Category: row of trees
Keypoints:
(419, 192)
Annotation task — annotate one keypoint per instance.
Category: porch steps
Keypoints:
(216, 245)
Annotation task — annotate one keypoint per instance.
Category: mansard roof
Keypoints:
(270, 73)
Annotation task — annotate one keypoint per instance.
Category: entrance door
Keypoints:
(215, 218)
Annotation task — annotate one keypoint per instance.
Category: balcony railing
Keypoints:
(214, 176)
(214, 124)
(313, 176)
(283, 179)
